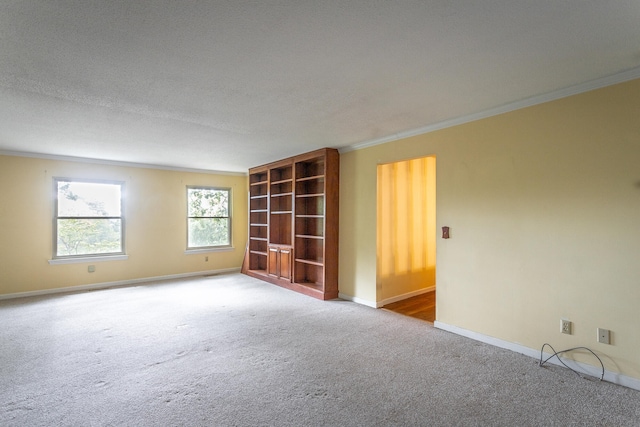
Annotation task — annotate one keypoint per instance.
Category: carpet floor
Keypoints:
(229, 350)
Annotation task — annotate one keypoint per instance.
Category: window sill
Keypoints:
(88, 259)
(207, 250)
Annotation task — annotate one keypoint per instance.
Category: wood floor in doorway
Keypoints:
(421, 306)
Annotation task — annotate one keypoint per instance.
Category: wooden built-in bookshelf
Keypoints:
(293, 223)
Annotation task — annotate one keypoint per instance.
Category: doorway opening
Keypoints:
(406, 237)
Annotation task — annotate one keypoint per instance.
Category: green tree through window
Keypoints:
(88, 218)
(209, 222)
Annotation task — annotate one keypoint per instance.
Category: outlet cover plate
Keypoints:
(604, 336)
(565, 326)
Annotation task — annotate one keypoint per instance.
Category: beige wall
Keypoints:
(155, 215)
(544, 209)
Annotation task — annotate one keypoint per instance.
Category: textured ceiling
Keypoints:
(226, 85)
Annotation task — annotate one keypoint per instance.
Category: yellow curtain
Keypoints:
(406, 226)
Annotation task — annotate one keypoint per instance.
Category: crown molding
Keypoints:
(590, 85)
(116, 163)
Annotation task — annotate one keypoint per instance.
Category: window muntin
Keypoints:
(88, 218)
(208, 217)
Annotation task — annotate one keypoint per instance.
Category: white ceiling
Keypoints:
(226, 85)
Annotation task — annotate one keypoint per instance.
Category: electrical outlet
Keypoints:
(603, 336)
(565, 326)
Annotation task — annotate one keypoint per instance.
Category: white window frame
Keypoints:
(67, 259)
(202, 249)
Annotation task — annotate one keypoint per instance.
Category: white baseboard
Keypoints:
(104, 285)
(594, 371)
(384, 302)
(357, 300)
(405, 296)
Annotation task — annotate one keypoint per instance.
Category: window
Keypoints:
(209, 222)
(88, 218)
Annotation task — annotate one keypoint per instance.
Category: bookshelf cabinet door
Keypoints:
(280, 262)
(273, 261)
(285, 263)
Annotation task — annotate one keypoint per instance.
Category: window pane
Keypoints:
(208, 232)
(89, 236)
(204, 202)
(88, 199)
